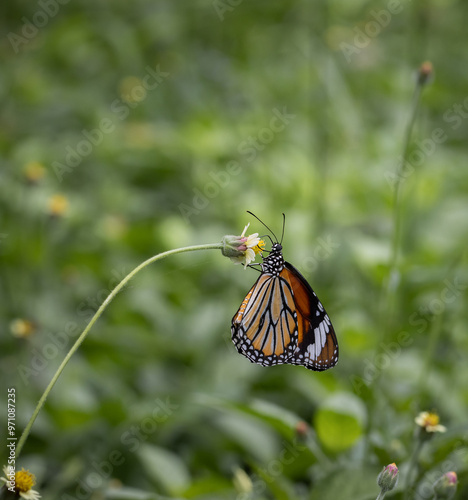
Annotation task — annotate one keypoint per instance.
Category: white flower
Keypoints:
(243, 249)
(430, 422)
(23, 482)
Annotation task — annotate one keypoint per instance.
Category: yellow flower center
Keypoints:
(21, 327)
(34, 171)
(259, 247)
(432, 419)
(58, 204)
(24, 480)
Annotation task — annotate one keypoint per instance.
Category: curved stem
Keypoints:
(115, 291)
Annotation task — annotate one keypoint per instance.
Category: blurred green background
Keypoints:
(130, 128)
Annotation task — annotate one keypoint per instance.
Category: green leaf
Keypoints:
(339, 423)
(253, 435)
(132, 494)
(208, 485)
(355, 484)
(165, 467)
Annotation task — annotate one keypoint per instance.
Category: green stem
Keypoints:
(315, 448)
(115, 291)
(434, 336)
(381, 495)
(392, 279)
(435, 332)
(412, 464)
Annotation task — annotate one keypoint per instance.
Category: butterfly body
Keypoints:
(274, 263)
(281, 320)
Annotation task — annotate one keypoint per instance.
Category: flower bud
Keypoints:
(242, 481)
(233, 246)
(446, 486)
(388, 478)
(425, 73)
(302, 429)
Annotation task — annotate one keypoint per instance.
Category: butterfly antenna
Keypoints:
(267, 236)
(282, 233)
(261, 222)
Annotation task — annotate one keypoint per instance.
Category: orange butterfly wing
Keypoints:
(281, 320)
(317, 346)
(264, 329)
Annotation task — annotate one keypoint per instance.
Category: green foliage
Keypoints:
(339, 422)
(130, 128)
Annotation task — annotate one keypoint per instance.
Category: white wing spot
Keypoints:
(309, 352)
(323, 336)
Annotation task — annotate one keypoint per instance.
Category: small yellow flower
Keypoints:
(23, 483)
(132, 90)
(112, 227)
(58, 205)
(429, 422)
(34, 172)
(22, 327)
(259, 247)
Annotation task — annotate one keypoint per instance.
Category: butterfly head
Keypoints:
(274, 262)
(277, 248)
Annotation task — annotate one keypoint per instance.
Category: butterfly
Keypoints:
(281, 320)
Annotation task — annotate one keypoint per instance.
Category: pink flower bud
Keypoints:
(446, 486)
(388, 478)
